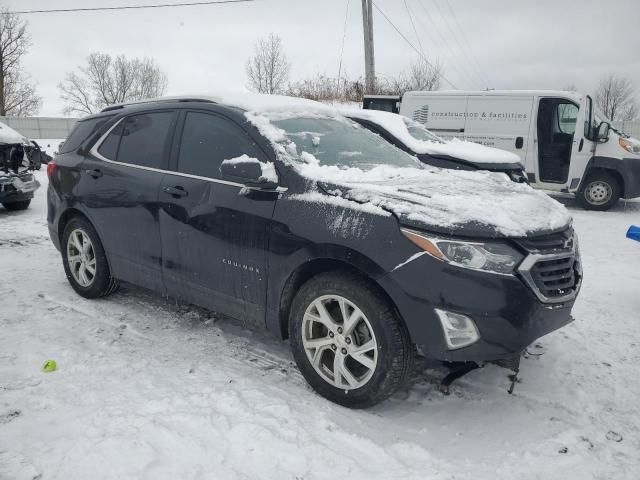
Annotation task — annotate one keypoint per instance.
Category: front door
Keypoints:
(119, 183)
(214, 233)
(555, 137)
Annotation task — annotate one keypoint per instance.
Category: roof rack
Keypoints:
(157, 100)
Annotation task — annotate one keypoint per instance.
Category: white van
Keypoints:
(565, 144)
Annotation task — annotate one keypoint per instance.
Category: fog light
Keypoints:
(459, 330)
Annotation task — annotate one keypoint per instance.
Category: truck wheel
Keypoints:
(347, 341)
(84, 260)
(600, 191)
(14, 206)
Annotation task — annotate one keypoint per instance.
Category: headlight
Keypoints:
(492, 257)
(630, 145)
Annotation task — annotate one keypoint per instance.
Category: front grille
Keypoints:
(552, 268)
(555, 278)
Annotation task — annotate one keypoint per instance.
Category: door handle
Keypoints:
(175, 192)
(581, 144)
(96, 173)
(519, 142)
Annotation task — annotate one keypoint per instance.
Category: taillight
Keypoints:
(51, 167)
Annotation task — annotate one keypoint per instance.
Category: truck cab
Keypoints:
(565, 144)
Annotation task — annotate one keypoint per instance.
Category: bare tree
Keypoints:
(615, 98)
(421, 76)
(17, 94)
(268, 69)
(107, 80)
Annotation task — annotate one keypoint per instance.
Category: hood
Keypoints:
(453, 202)
(421, 141)
(483, 157)
(9, 136)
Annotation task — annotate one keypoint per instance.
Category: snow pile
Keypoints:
(268, 169)
(398, 126)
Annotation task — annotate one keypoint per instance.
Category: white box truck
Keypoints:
(565, 144)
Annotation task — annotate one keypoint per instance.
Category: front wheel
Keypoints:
(347, 341)
(601, 191)
(15, 206)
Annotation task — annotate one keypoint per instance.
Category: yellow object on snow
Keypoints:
(49, 366)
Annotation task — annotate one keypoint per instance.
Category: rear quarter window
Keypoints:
(81, 131)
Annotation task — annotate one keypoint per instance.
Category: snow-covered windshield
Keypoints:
(417, 131)
(342, 143)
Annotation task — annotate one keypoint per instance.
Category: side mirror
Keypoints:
(250, 172)
(602, 135)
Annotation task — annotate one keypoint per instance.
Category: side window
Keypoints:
(208, 140)
(144, 138)
(109, 147)
(567, 117)
(81, 131)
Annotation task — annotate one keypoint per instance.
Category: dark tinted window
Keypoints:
(109, 147)
(144, 138)
(81, 131)
(208, 140)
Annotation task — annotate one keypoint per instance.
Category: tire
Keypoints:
(100, 282)
(15, 206)
(601, 191)
(390, 360)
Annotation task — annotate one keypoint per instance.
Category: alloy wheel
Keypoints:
(339, 342)
(81, 257)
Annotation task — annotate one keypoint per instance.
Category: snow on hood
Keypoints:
(430, 198)
(10, 136)
(447, 200)
(397, 125)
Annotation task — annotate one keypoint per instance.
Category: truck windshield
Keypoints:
(343, 143)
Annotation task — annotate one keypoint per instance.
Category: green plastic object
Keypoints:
(49, 366)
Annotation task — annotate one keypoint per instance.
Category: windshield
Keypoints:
(417, 131)
(343, 143)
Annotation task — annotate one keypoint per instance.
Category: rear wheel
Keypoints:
(601, 191)
(347, 341)
(14, 206)
(84, 260)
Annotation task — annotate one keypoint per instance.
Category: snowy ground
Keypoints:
(146, 389)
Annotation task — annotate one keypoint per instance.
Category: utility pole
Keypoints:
(369, 62)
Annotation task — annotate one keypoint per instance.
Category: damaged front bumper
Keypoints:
(15, 187)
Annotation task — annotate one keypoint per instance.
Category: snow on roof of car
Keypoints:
(251, 102)
(397, 125)
(9, 135)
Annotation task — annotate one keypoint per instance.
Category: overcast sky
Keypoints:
(489, 43)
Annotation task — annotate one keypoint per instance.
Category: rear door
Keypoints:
(215, 233)
(120, 182)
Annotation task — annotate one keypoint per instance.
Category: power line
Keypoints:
(466, 41)
(414, 27)
(435, 41)
(344, 36)
(460, 61)
(127, 7)
(460, 47)
(411, 44)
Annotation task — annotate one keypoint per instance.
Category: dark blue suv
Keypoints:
(282, 213)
